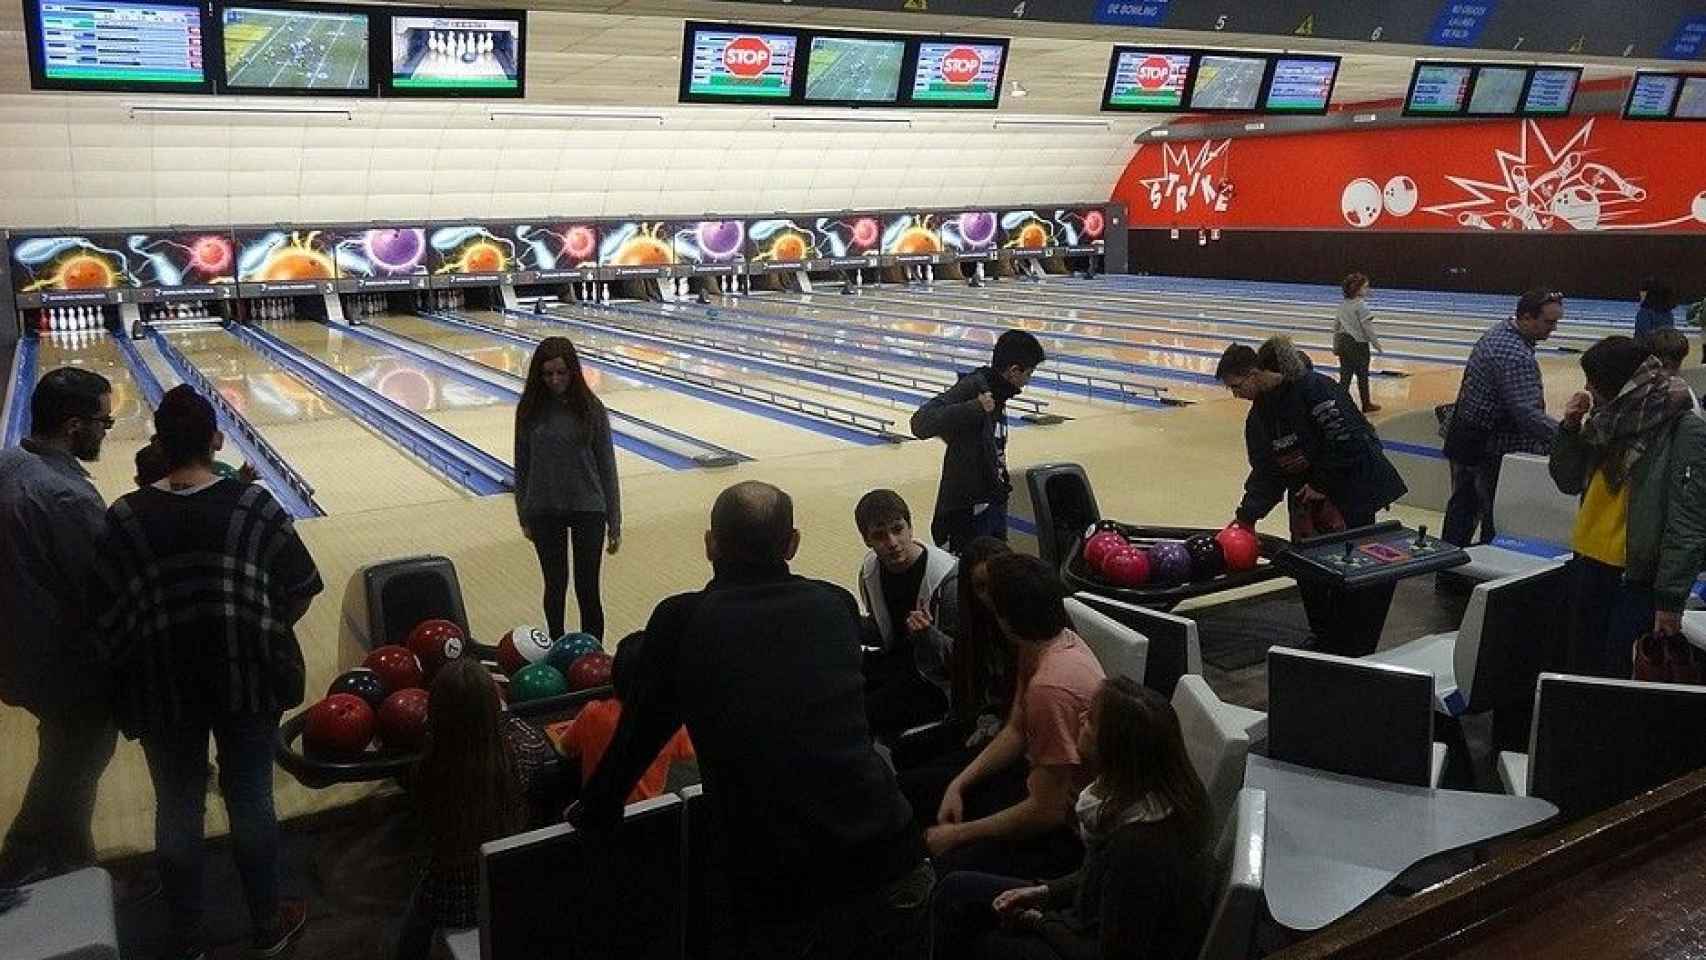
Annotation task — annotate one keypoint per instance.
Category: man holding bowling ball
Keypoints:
(1309, 444)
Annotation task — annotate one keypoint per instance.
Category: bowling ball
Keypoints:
(339, 726)
(397, 667)
(571, 647)
(978, 228)
(916, 240)
(1032, 236)
(296, 263)
(1240, 546)
(591, 670)
(644, 250)
(1100, 547)
(434, 642)
(396, 250)
(85, 272)
(362, 682)
(403, 720)
(721, 238)
(865, 233)
(482, 258)
(521, 646)
(579, 243)
(1169, 562)
(1127, 566)
(536, 681)
(1207, 559)
(788, 246)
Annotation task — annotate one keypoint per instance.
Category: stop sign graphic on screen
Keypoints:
(961, 65)
(1153, 72)
(746, 56)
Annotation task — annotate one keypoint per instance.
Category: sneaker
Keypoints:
(286, 927)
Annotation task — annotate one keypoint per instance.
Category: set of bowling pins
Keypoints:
(459, 43)
(366, 304)
(444, 300)
(72, 339)
(70, 318)
(921, 273)
(588, 291)
(273, 308)
(178, 311)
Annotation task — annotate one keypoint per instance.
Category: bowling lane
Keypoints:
(483, 418)
(1184, 375)
(1206, 334)
(895, 411)
(749, 433)
(114, 474)
(934, 375)
(350, 467)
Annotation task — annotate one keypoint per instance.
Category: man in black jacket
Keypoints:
(1309, 444)
(971, 416)
(763, 667)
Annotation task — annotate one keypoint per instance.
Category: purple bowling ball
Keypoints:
(396, 251)
(978, 228)
(721, 239)
(1169, 563)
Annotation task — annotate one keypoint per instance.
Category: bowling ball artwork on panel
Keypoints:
(637, 244)
(280, 256)
(339, 727)
(708, 241)
(973, 230)
(383, 252)
(1025, 230)
(67, 263)
(178, 259)
(470, 249)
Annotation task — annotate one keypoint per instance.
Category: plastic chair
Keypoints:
(1238, 901)
(1216, 740)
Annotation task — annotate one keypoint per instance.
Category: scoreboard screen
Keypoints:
(153, 46)
(1551, 91)
(728, 63)
(1147, 80)
(1438, 89)
(1301, 85)
(1652, 96)
(953, 73)
(479, 53)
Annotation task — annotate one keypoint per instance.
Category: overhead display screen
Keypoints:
(725, 63)
(1438, 89)
(1652, 96)
(103, 45)
(1228, 82)
(295, 49)
(278, 255)
(176, 259)
(854, 69)
(1691, 103)
(1551, 91)
(1497, 91)
(1301, 84)
(967, 74)
(1147, 80)
(452, 54)
(69, 262)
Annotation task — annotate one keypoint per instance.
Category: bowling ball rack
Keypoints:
(378, 763)
(1080, 578)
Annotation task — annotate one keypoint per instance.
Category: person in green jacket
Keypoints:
(1627, 447)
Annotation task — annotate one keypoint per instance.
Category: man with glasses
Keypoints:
(51, 518)
(1501, 408)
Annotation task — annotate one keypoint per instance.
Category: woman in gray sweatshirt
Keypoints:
(565, 481)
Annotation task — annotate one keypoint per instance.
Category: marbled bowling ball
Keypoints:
(978, 228)
(296, 263)
(396, 248)
(865, 232)
(1208, 560)
(1169, 563)
(1032, 235)
(788, 246)
(721, 238)
(915, 240)
(643, 250)
(84, 272)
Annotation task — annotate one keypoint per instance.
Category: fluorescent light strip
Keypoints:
(791, 119)
(497, 113)
(1079, 124)
(188, 109)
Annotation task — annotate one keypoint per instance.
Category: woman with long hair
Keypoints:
(566, 491)
(982, 666)
(1144, 887)
(477, 779)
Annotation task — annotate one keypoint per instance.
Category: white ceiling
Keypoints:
(627, 53)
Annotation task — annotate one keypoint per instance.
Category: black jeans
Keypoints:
(891, 923)
(553, 535)
(897, 698)
(963, 924)
(51, 833)
(1607, 616)
(1051, 854)
(1471, 503)
(954, 530)
(1353, 364)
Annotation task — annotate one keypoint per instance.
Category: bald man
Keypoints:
(764, 669)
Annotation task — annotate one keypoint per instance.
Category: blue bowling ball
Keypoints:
(569, 648)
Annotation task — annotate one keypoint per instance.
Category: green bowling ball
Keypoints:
(224, 471)
(535, 682)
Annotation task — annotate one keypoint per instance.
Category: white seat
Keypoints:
(1120, 650)
(1216, 741)
(1489, 561)
(461, 944)
(1513, 772)
(1441, 752)
(1242, 850)
(69, 916)
(1455, 659)
(1530, 509)
(1694, 627)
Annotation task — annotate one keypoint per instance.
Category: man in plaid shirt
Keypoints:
(1501, 408)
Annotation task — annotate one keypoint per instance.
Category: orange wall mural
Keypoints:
(1587, 174)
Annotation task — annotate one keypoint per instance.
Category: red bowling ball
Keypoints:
(1241, 546)
(1127, 567)
(590, 670)
(434, 642)
(339, 726)
(403, 720)
(1100, 547)
(397, 667)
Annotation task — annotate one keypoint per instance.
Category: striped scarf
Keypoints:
(1622, 428)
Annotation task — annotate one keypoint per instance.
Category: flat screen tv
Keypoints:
(152, 46)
